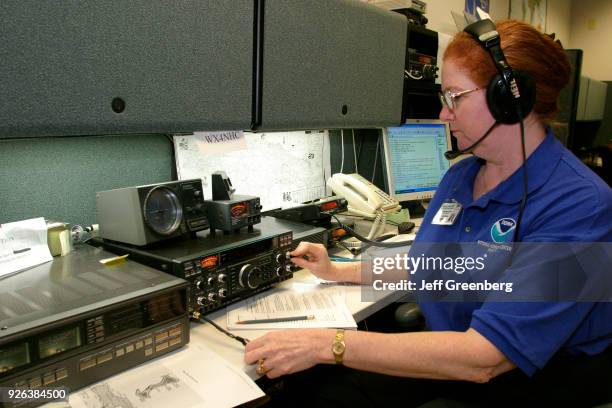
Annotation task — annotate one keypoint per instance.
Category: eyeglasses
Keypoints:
(449, 98)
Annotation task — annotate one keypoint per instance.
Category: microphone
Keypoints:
(453, 154)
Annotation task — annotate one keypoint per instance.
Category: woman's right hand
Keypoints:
(314, 258)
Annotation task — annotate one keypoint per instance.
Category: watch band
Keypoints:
(338, 346)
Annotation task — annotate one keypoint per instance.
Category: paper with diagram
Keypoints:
(194, 376)
(282, 168)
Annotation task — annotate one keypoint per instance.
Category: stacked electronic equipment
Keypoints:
(317, 215)
(420, 99)
(221, 268)
(72, 322)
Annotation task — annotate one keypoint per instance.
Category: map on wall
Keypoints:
(282, 168)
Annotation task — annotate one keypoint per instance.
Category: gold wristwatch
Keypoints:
(338, 346)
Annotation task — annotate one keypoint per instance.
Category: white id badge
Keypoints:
(447, 214)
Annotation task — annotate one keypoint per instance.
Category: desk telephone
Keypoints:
(364, 198)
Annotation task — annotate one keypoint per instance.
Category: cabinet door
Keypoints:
(139, 66)
(331, 64)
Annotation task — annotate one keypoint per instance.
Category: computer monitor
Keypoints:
(414, 158)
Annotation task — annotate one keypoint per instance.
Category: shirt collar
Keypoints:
(540, 166)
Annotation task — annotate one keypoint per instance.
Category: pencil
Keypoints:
(276, 319)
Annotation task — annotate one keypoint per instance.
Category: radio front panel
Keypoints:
(221, 268)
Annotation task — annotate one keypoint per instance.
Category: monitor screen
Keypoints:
(414, 158)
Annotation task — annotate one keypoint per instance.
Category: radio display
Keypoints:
(247, 250)
(14, 356)
(59, 342)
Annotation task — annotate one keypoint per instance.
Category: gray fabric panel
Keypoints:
(179, 66)
(320, 55)
(57, 178)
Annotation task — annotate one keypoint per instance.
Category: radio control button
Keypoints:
(210, 281)
(201, 300)
(61, 374)
(105, 357)
(161, 346)
(129, 348)
(87, 364)
(48, 378)
(36, 382)
(250, 276)
(222, 293)
(212, 297)
(222, 278)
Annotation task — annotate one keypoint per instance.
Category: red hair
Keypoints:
(527, 50)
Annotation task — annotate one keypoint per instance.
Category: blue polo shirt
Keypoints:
(566, 202)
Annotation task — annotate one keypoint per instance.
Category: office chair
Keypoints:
(408, 317)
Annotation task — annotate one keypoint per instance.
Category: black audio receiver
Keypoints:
(222, 268)
(73, 321)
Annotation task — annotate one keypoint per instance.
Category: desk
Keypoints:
(206, 338)
(233, 352)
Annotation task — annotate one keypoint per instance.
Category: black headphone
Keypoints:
(510, 94)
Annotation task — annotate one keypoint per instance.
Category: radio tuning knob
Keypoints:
(222, 278)
(210, 281)
(250, 276)
(201, 300)
(212, 297)
(279, 271)
(279, 258)
(199, 283)
(222, 293)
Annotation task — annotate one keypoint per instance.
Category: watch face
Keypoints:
(338, 348)
(162, 210)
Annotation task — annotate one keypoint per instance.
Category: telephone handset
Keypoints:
(364, 198)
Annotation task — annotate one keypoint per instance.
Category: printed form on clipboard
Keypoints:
(326, 307)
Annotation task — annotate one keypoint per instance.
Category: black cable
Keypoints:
(227, 333)
(525, 178)
(371, 242)
(519, 217)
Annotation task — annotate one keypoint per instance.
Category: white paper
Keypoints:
(279, 167)
(220, 142)
(326, 304)
(23, 244)
(194, 376)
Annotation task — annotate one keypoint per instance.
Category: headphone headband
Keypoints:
(485, 32)
(504, 91)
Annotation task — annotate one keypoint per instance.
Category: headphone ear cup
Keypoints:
(501, 102)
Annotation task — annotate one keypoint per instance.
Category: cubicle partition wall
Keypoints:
(144, 69)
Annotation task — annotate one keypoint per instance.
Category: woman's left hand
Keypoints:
(289, 351)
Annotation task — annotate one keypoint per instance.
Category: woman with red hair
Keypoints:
(500, 87)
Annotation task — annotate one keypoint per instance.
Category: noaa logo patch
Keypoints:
(501, 231)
